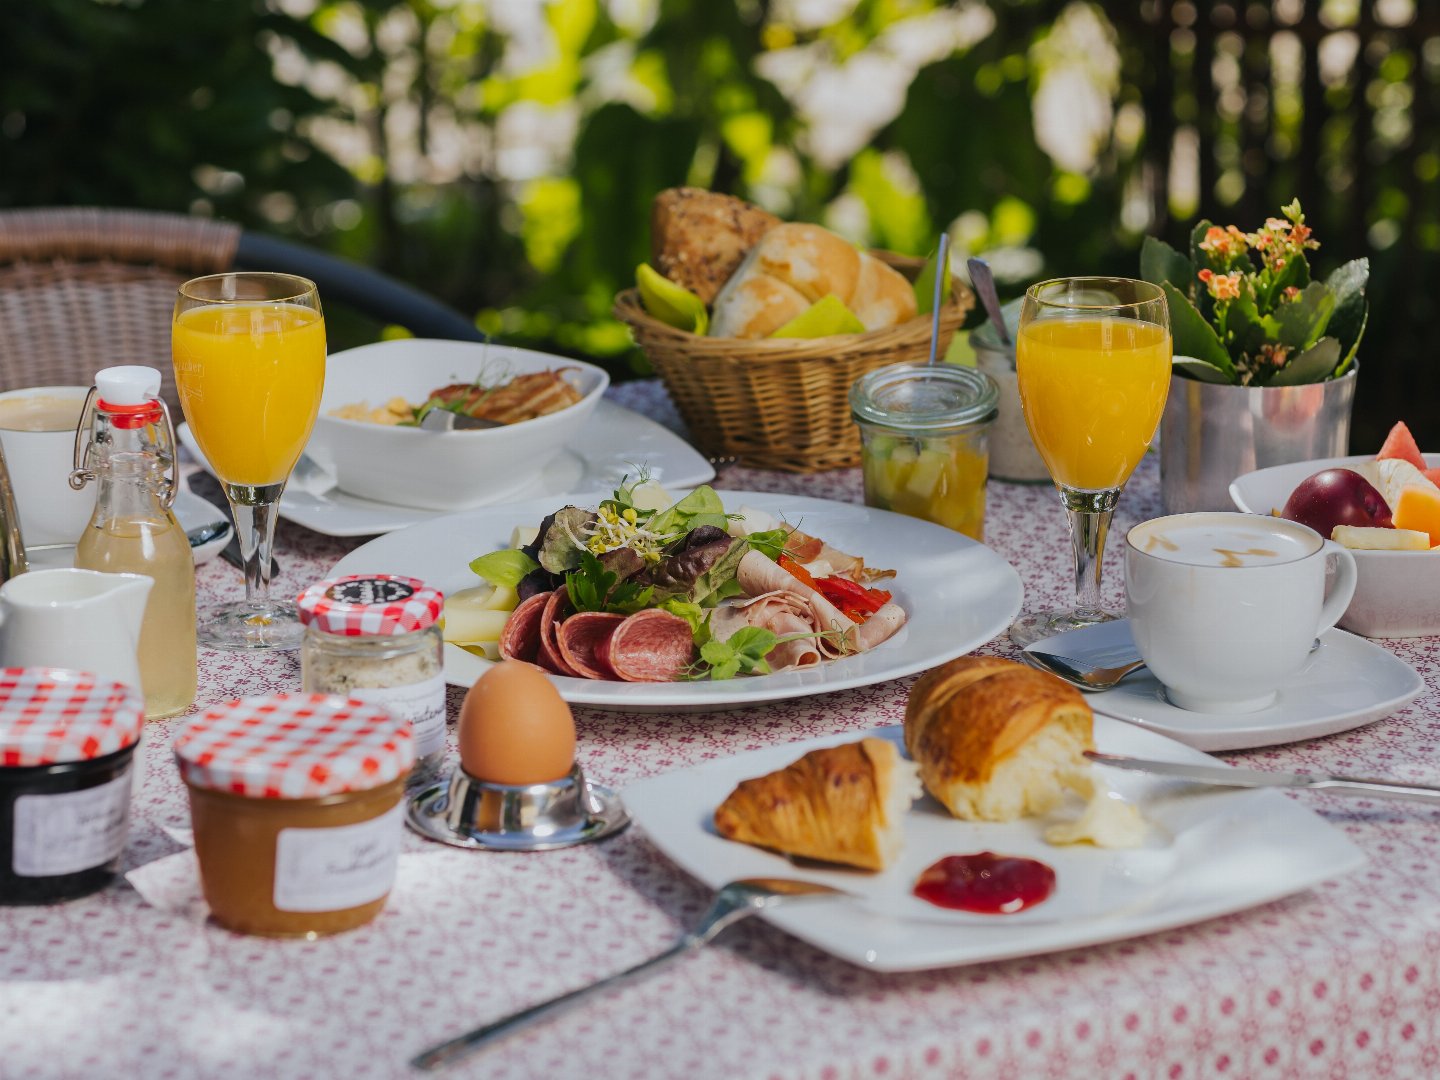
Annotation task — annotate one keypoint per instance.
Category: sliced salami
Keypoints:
(550, 616)
(650, 646)
(520, 640)
(583, 636)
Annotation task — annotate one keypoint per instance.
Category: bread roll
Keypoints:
(995, 740)
(793, 266)
(841, 804)
(698, 237)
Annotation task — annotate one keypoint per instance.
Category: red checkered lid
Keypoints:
(370, 605)
(294, 746)
(51, 716)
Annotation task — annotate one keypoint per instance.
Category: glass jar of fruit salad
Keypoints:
(296, 800)
(924, 431)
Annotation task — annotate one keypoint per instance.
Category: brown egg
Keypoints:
(515, 728)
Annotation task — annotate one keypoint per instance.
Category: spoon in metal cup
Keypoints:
(732, 903)
(984, 282)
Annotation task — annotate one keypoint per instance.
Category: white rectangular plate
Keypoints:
(1211, 852)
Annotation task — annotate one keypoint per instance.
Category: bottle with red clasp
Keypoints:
(128, 449)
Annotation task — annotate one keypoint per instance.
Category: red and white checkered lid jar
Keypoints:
(294, 746)
(363, 605)
(51, 716)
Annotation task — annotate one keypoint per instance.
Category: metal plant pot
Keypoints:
(1212, 433)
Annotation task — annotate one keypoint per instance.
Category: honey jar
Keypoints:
(296, 805)
(66, 747)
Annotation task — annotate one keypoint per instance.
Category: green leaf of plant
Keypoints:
(1312, 366)
(1200, 371)
(752, 641)
(1301, 322)
(1347, 325)
(1193, 336)
(701, 507)
(1159, 263)
(1199, 258)
(504, 567)
(716, 652)
(1350, 356)
(925, 286)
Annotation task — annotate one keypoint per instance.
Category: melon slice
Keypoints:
(1397, 474)
(1418, 508)
(1401, 444)
(1368, 538)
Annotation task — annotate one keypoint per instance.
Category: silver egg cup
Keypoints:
(470, 813)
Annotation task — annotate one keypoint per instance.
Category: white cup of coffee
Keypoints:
(37, 433)
(1225, 607)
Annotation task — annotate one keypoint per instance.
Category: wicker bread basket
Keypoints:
(781, 403)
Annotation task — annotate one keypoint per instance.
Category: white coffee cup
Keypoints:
(1225, 607)
(39, 462)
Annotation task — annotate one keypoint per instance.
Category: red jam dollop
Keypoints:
(986, 883)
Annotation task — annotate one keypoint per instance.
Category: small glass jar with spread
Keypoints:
(375, 638)
(923, 433)
(67, 744)
(296, 801)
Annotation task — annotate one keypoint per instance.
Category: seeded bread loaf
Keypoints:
(698, 237)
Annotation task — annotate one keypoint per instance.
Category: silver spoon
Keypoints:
(942, 271)
(984, 282)
(732, 903)
(203, 534)
(1080, 673)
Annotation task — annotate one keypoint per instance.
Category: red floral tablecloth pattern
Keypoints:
(1340, 982)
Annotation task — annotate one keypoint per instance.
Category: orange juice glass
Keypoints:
(249, 353)
(1093, 363)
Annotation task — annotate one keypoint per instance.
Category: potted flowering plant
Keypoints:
(1265, 356)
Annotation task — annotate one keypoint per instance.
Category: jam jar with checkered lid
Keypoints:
(297, 802)
(375, 638)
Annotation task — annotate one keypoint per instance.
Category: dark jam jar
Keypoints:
(66, 750)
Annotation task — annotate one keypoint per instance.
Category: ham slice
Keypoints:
(778, 612)
(759, 576)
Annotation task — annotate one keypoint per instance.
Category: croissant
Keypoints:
(841, 804)
(995, 740)
(794, 265)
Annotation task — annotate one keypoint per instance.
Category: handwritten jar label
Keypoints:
(340, 868)
(72, 831)
(422, 703)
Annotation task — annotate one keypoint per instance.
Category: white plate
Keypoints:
(1347, 683)
(1397, 593)
(1213, 852)
(612, 443)
(190, 510)
(958, 595)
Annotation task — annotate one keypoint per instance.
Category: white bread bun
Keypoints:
(996, 740)
(793, 266)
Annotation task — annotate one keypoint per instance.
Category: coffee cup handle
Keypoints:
(1342, 591)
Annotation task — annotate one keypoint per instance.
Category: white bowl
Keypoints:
(1398, 592)
(451, 470)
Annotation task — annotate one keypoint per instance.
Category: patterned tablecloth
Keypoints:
(1342, 981)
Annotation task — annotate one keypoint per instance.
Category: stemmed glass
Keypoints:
(1093, 361)
(249, 353)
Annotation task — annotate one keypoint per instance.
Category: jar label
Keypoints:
(71, 831)
(340, 868)
(422, 703)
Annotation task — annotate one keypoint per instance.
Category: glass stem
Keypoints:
(1089, 513)
(254, 511)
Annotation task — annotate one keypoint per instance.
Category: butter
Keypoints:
(1107, 821)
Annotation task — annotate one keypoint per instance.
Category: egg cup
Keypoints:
(470, 813)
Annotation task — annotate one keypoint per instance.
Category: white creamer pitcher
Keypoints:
(78, 619)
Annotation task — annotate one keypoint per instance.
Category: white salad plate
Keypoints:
(1397, 593)
(1346, 683)
(1210, 852)
(957, 594)
(614, 441)
(190, 510)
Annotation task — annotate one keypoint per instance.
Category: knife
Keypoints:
(201, 483)
(1230, 776)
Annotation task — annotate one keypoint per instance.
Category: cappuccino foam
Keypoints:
(1204, 543)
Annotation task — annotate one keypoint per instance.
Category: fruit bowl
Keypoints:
(1398, 592)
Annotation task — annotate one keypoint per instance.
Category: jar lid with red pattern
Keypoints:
(294, 746)
(369, 605)
(52, 716)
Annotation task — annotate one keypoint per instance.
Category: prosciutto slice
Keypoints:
(759, 576)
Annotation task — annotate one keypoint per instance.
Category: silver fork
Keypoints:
(731, 904)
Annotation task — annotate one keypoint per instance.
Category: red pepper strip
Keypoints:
(843, 592)
(797, 571)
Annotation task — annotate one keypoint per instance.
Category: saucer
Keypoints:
(191, 511)
(1346, 683)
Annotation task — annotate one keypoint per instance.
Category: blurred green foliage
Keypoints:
(503, 156)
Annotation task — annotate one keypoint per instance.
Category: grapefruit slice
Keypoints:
(1401, 444)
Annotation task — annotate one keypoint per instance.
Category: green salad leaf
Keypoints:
(593, 588)
(701, 507)
(770, 542)
(742, 653)
(504, 567)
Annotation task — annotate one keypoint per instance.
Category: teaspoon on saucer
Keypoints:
(1080, 673)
